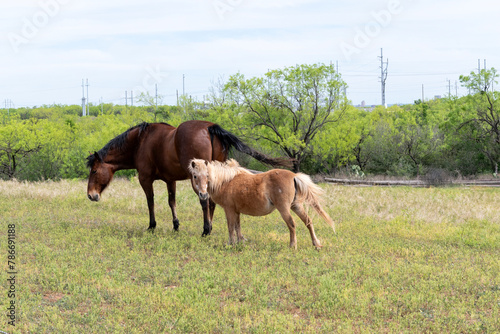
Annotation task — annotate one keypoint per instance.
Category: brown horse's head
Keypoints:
(100, 176)
(199, 177)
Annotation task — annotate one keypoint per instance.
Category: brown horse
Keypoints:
(238, 191)
(160, 151)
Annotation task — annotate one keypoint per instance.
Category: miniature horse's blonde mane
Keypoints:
(218, 172)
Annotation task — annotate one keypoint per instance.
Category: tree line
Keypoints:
(301, 112)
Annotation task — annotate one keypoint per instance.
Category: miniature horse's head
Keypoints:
(100, 176)
(199, 177)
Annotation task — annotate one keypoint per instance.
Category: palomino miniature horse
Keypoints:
(160, 151)
(238, 191)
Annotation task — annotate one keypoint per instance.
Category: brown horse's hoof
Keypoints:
(206, 230)
(176, 224)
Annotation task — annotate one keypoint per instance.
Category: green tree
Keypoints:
(341, 143)
(191, 109)
(19, 141)
(483, 125)
(286, 108)
(380, 147)
(419, 138)
(151, 105)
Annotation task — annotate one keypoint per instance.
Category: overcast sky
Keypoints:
(49, 46)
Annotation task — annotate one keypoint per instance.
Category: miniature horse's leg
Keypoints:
(231, 217)
(299, 210)
(207, 222)
(171, 202)
(237, 228)
(147, 186)
(287, 217)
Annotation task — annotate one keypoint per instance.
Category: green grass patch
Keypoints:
(402, 261)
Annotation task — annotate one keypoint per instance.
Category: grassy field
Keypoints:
(403, 260)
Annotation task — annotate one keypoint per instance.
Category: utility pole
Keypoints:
(84, 106)
(479, 69)
(156, 98)
(383, 75)
(422, 93)
(126, 100)
(183, 91)
(88, 107)
(492, 80)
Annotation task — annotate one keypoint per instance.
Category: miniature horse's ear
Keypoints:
(206, 162)
(193, 165)
(97, 156)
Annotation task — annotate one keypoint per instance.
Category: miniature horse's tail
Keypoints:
(310, 193)
(229, 140)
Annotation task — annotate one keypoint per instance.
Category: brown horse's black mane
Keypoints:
(116, 143)
(229, 140)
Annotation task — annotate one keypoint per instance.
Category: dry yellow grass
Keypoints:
(430, 205)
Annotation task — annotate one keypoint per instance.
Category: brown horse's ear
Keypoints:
(97, 156)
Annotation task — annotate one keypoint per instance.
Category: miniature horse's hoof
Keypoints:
(151, 229)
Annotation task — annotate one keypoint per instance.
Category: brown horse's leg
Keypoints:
(287, 217)
(212, 206)
(171, 202)
(206, 207)
(147, 186)
(299, 210)
(207, 222)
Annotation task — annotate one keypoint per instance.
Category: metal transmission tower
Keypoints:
(131, 98)
(383, 75)
(85, 100)
(8, 104)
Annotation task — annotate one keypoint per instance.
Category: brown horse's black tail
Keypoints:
(229, 140)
